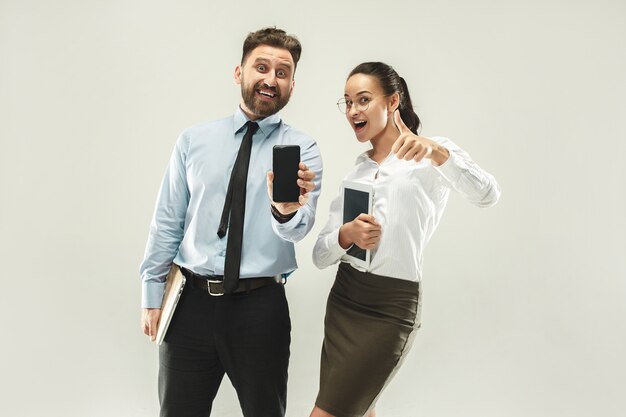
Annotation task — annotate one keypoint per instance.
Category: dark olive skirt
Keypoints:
(369, 327)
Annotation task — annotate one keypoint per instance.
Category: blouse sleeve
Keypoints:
(465, 176)
(327, 250)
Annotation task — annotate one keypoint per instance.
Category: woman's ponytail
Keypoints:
(409, 117)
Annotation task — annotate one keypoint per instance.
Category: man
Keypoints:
(232, 242)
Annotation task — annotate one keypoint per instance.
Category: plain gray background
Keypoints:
(523, 303)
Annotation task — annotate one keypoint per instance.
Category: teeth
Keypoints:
(265, 93)
(359, 123)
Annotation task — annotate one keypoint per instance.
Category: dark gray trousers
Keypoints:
(245, 335)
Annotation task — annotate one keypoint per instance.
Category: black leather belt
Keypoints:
(215, 285)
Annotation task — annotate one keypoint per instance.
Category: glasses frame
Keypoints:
(360, 107)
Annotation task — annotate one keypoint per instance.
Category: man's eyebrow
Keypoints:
(285, 64)
(261, 60)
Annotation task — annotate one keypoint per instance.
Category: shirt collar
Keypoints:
(266, 125)
(365, 156)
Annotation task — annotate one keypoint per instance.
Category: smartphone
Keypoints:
(286, 161)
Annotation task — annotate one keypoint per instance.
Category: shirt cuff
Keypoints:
(335, 249)
(152, 294)
(450, 169)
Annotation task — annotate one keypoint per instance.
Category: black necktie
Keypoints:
(235, 205)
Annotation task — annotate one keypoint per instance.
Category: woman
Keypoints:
(372, 313)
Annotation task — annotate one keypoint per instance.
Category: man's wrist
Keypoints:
(280, 217)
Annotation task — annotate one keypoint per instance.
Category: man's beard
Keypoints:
(259, 107)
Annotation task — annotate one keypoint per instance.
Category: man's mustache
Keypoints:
(264, 86)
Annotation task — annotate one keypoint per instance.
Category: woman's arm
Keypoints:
(327, 250)
(464, 175)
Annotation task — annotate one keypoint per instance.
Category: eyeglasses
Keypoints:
(345, 104)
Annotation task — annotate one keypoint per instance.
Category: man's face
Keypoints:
(266, 79)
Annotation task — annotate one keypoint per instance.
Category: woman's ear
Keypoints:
(394, 103)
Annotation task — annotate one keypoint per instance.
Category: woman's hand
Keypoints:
(411, 146)
(363, 231)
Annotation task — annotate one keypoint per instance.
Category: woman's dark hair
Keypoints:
(391, 83)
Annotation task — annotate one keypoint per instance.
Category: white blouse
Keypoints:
(409, 199)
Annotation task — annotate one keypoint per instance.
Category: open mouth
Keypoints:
(266, 95)
(359, 125)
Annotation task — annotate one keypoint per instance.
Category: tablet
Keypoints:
(173, 290)
(357, 199)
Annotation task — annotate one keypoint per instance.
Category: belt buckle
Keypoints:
(208, 287)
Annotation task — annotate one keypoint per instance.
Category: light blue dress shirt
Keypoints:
(190, 202)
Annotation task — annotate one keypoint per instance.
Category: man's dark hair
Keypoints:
(272, 37)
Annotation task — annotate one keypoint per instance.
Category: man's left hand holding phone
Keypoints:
(283, 164)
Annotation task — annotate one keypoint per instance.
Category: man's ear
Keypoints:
(238, 74)
(394, 102)
(293, 84)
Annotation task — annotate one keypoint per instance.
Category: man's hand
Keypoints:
(411, 146)
(305, 182)
(150, 321)
(364, 231)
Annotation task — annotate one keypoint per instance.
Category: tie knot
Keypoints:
(251, 127)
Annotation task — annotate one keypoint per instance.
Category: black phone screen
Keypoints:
(286, 161)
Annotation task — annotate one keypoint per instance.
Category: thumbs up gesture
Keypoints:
(411, 146)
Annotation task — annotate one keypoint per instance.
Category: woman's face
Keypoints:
(367, 107)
